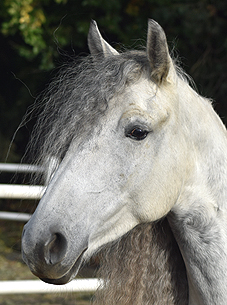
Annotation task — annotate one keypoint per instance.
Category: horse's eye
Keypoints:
(137, 133)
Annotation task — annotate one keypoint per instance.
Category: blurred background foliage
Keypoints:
(36, 36)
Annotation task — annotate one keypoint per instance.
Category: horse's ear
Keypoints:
(98, 47)
(158, 52)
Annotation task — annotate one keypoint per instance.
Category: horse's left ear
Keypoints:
(158, 52)
(98, 47)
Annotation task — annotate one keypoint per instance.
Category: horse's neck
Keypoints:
(199, 218)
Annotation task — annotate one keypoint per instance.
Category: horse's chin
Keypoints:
(62, 281)
(68, 276)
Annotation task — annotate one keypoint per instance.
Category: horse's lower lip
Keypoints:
(67, 276)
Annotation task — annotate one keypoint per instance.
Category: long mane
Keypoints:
(75, 100)
(143, 267)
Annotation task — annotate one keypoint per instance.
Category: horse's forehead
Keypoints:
(133, 96)
(142, 98)
(141, 90)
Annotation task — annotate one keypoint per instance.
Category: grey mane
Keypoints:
(77, 97)
(144, 266)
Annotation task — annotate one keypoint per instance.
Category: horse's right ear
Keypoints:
(158, 53)
(98, 47)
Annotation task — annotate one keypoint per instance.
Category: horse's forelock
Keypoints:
(77, 97)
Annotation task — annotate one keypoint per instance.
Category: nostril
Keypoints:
(55, 249)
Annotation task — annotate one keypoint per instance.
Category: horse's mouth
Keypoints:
(69, 275)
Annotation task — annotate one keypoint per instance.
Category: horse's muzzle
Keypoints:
(47, 257)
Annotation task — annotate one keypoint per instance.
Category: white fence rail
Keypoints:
(17, 191)
(20, 168)
(16, 216)
(37, 286)
(14, 191)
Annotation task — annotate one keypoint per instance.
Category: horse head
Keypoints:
(122, 173)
